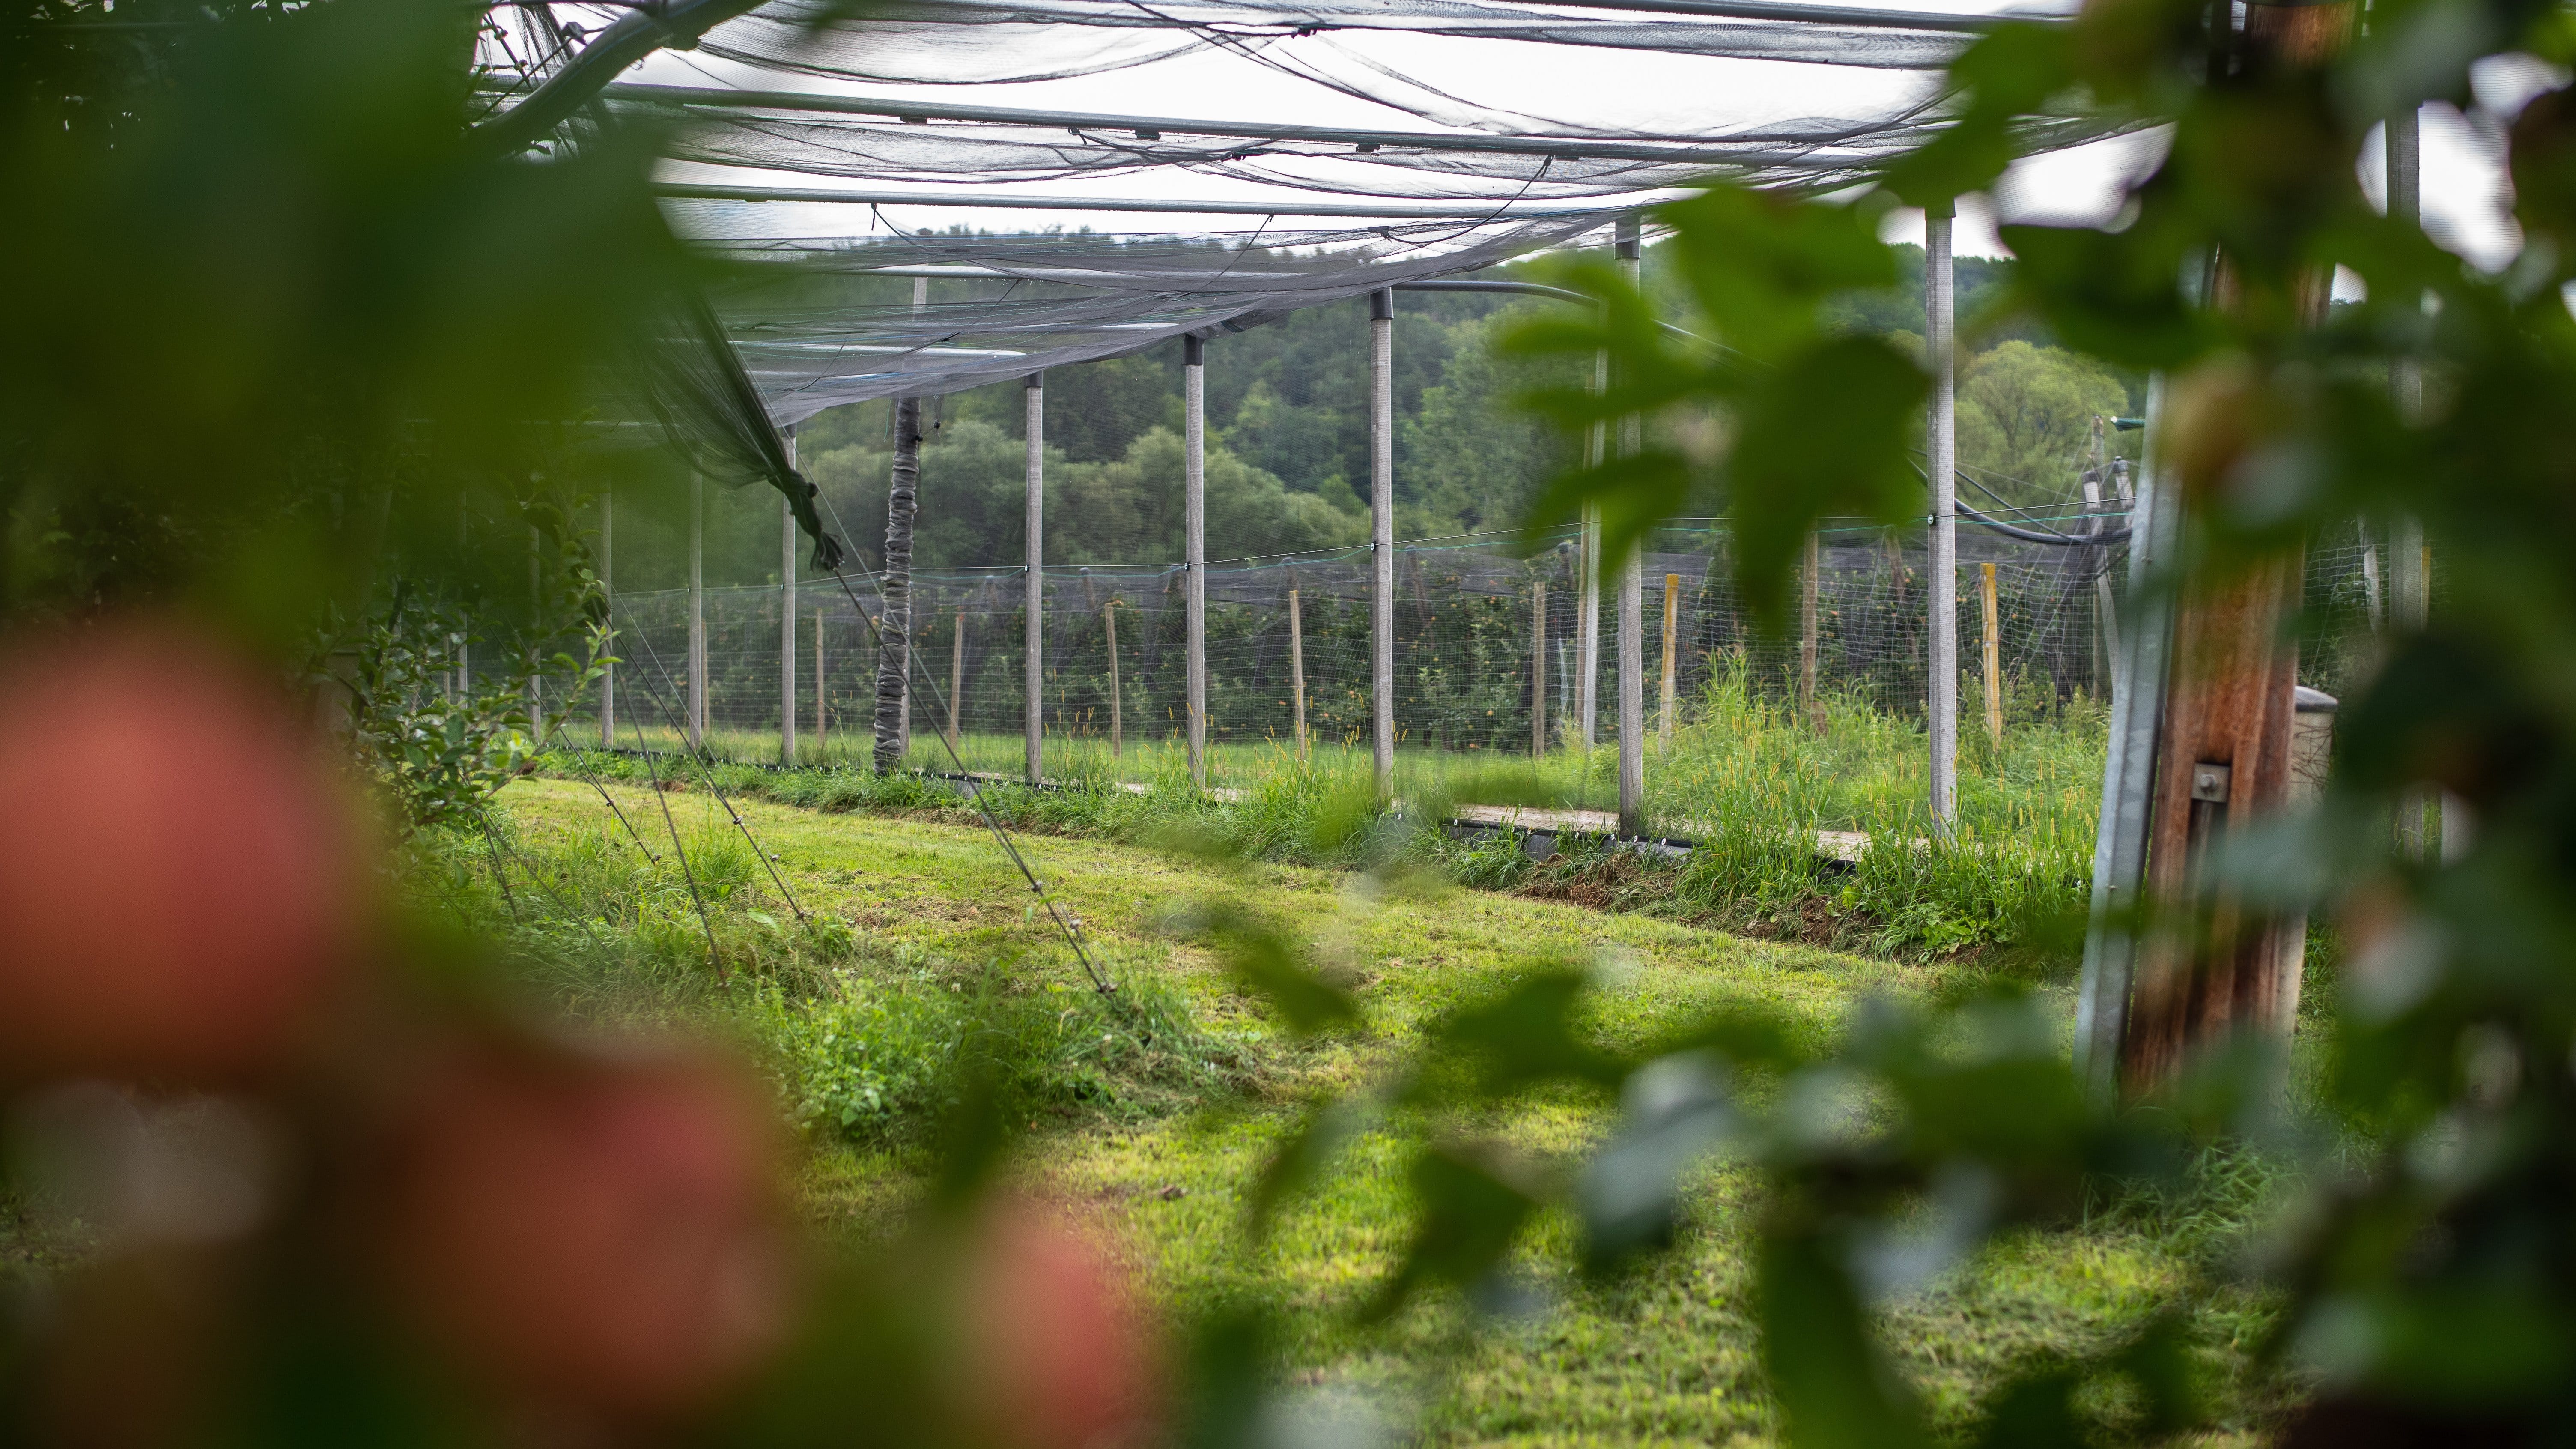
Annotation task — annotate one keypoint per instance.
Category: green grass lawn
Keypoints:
(1159, 1131)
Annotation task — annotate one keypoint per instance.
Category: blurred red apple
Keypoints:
(179, 880)
(1057, 1355)
(589, 1236)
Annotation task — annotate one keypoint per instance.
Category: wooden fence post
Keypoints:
(1994, 662)
(956, 674)
(1807, 633)
(1538, 670)
(1109, 616)
(2223, 752)
(1297, 670)
(1672, 636)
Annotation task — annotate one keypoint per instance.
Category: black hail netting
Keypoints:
(1795, 153)
(822, 324)
(1467, 638)
(1344, 48)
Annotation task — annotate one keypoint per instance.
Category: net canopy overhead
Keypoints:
(819, 324)
(1515, 127)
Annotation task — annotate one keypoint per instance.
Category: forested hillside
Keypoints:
(1288, 440)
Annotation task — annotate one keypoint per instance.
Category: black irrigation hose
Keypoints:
(706, 766)
(2027, 535)
(975, 792)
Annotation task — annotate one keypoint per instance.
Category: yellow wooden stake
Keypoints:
(1672, 634)
(1109, 616)
(956, 675)
(1994, 663)
(1538, 670)
(1297, 669)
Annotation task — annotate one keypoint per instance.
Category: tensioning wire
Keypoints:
(974, 790)
(644, 747)
(706, 766)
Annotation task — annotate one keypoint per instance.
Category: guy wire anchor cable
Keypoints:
(974, 791)
(706, 767)
(1070, 926)
(662, 797)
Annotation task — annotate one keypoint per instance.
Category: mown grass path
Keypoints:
(1667, 1355)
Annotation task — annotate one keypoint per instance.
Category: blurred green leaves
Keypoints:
(276, 323)
(1783, 419)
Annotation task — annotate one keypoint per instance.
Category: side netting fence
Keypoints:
(1475, 622)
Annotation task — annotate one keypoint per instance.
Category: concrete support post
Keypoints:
(1942, 450)
(1632, 603)
(787, 696)
(1382, 537)
(1194, 543)
(1033, 689)
(2409, 577)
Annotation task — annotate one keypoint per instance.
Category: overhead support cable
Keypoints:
(1154, 128)
(1843, 15)
(1466, 210)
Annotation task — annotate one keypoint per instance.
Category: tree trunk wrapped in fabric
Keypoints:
(894, 631)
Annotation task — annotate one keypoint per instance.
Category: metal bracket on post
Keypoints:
(2128, 775)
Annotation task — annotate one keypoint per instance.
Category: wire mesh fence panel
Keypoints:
(1470, 645)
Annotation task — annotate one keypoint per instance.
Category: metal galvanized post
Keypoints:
(1033, 685)
(608, 591)
(1297, 671)
(787, 700)
(1632, 606)
(1538, 670)
(697, 720)
(819, 677)
(1942, 446)
(1194, 543)
(1382, 537)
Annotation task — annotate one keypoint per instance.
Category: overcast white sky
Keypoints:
(2465, 196)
